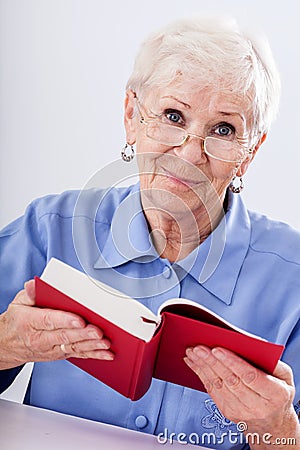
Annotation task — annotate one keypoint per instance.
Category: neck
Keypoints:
(176, 235)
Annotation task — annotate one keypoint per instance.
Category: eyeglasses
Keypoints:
(218, 148)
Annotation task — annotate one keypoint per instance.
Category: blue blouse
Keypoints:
(247, 271)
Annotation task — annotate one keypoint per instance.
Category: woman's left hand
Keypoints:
(246, 394)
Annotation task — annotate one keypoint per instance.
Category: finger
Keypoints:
(221, 383)
(201, 374)
(227, 401)
(52, 319)
(22, 298)
(284, 372)
(68, 336)
(27, 295)
(235, 385)
(255, 379)
(46, 340)
(202, 362)
(29, 287)
(86, 346)
(87, 349)
(216, 377)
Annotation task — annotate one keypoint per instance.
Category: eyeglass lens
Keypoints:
(216, 147)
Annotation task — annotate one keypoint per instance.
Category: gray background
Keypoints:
(63, 69)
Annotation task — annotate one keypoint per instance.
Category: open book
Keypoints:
(146, 345)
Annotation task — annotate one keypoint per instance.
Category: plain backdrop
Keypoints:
(63, 70)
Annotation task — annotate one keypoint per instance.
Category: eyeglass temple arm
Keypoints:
(142, 120)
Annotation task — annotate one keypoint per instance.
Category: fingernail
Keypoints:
(218, 353)
(102, 345)
(202, 352)
(76, 324)
(93, 334)
(108, 356)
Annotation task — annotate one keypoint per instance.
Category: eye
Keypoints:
(174, 116)
(224, 130)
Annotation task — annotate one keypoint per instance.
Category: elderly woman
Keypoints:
(198, 106)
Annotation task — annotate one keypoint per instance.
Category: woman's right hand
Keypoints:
(28, 333)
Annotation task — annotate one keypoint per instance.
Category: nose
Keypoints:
(192, 150)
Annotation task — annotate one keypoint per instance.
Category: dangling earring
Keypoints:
(236, 186)
(125, 157)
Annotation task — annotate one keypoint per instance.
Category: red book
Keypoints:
(145, 345)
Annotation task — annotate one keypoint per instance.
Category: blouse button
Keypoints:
(141, 421)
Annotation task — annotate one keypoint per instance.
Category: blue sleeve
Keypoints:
(7, 376)
(291, 356)
(22, 256)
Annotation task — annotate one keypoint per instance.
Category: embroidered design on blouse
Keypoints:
(215, 419)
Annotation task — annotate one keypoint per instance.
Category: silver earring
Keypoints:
(236, 186)
(125, 157)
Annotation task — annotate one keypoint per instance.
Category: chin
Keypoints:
(173, 200)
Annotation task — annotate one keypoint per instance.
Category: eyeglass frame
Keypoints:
(189, 135)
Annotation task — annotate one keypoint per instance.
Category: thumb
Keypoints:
(284, 372)
(27, 295)
(29, 287)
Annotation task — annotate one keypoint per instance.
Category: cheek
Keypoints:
(147, 145)
(147, 153)
(146, 157)
(223, 171)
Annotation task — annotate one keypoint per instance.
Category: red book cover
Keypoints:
(170, 365)
(130, 373)
(145, 345)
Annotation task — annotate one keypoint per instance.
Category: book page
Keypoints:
(193, 310)
(109, 303)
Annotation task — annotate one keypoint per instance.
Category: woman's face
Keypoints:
(177, 178)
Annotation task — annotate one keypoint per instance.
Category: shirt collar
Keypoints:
(215, 264)
(129, 237)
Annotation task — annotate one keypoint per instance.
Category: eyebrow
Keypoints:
(224, 113)
(186, 105)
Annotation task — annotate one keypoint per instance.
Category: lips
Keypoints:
(178, 178)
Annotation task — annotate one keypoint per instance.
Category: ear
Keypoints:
(245, 164)
(129, 119)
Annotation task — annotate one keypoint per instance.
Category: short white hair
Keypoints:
(214, 52)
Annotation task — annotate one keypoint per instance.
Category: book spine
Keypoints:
(143, 367)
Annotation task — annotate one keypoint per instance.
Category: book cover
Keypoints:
(145, 345)
(127, 373)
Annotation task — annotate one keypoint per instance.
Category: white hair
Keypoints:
(214, 52)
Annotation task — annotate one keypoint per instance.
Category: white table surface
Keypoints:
(25, 427)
